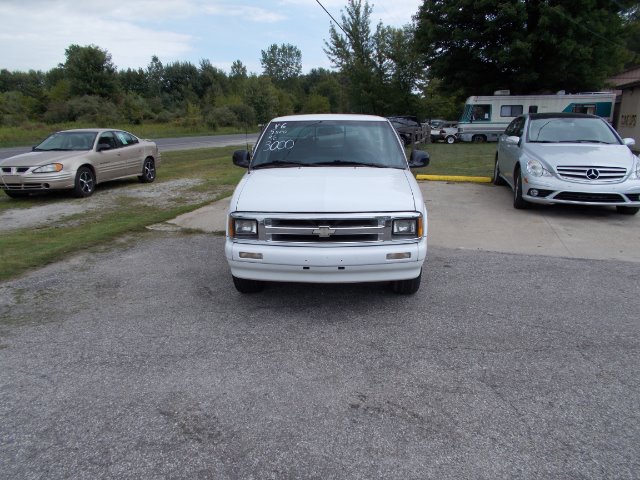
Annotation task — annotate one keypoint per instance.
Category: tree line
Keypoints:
(452, 49)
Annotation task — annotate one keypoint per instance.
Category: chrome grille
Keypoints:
(587, 173)
(327, 230)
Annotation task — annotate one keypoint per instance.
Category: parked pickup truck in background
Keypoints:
(327, 199)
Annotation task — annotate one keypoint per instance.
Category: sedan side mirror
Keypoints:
(629, 142)
(241, 158)
(513, 140)
(419, 158)
(103, 146)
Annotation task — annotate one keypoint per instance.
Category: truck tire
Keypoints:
(407, 287)
(244, 285)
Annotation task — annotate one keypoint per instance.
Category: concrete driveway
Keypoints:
(481, 217)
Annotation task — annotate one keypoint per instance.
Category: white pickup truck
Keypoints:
(327, 199)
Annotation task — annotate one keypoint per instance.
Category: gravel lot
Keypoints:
(107, 196)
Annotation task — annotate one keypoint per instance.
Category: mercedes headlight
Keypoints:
(536, 169)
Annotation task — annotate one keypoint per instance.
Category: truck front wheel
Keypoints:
(407, 287)
(244, 285)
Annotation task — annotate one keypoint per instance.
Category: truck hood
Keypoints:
(589, 154)
(325, 189)
(33, 159)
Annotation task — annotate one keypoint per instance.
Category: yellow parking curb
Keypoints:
(454, 178)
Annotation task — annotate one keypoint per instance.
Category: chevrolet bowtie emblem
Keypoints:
(324, 232)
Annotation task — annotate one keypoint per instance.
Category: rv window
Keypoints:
(481, 113)
(510, 110)
(584, 108)
(533, 109)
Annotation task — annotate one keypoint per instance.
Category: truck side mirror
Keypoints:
(419, 158)
(241, 158)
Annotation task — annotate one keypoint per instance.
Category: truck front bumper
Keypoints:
(334, 264)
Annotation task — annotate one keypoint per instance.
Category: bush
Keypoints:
(58, 112)
(221, 117)
(89, 109)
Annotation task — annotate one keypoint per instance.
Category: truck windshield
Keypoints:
(333, 143)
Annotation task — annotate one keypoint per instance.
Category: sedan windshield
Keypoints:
(67, 141)
(335, 143)
(571, 130)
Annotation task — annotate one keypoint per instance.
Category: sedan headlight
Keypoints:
(51, 168)
(535, 168)
(411, 227)
(638, 167)
(244, 228)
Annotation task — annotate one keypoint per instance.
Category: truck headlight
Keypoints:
(51, 168)
(244, 228)
(408, 226)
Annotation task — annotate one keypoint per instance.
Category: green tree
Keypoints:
(526, 46)
(281, 63)
(353, 53)
(90, 71)
(262, 96)
(155, 77)
(631, 18)
(381, 67)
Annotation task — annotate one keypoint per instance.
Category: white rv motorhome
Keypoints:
(486, 117)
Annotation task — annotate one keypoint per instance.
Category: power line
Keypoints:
(334, 20)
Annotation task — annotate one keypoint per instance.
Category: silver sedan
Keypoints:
(567, 158)
(78, 160)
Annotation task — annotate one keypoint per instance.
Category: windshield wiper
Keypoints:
(591, 141)
(277, 164)
(348, 163)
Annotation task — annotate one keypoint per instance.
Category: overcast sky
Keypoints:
(35, 33)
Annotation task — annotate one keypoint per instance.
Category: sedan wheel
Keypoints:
(85, 182)
(497, 179)
(148, 171)
(518, 202)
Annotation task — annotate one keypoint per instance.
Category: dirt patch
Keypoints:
(62, 211)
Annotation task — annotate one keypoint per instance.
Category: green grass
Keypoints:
(460, 159)
(30, 248)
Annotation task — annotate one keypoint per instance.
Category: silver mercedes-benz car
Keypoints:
(568, 158)
(78, 160)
